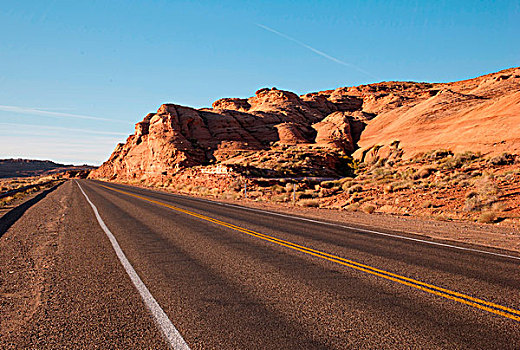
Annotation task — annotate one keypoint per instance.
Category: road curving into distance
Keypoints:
(217, 276)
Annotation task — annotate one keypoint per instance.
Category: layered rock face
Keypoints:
(404, 118)
(479, 115)
(178, 137)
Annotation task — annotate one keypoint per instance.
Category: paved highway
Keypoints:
(190, 273)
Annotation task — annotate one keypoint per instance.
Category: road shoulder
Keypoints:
(61, 285)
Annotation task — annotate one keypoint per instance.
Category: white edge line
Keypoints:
(169, 331)
(349, 227)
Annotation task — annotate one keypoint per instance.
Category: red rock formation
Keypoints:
(237, 104)
(334, 131)
(291, 133)
(479, 115)
(379, 120)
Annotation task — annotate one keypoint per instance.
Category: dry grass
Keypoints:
(16, 183)
(423, 172)
(487, 217)
(313, 203)
(503, 159)
(355, 189)
(388, 188)
(427, 204)
(368, 208)
(280, 198)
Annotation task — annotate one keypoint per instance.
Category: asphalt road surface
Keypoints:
(156, 270)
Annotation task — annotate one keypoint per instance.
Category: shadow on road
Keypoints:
(11, 216)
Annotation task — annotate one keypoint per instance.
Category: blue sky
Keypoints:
(75, 76)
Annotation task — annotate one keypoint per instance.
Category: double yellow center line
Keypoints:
(439, 291)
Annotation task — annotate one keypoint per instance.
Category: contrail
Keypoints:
(35, 111)
(316, 51)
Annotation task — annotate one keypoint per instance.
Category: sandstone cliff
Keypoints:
(376, 120)
(479, 115)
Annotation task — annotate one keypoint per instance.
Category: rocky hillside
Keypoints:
(280, 134)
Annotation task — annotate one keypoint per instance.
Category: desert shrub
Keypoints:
(471, 194)
(417, 157)
(476, 173)
(280, 198)
(355, 188)
(369, 208)
(509, 177)
(236, 185)
(345, 179)
(457, 178)
(378, 172)
(377, 163)
(277, 189)
(465, 183)
(383, 173)
(352, 207)
(469, 155)
(458, 175)
(330, 184)
(254, 194)
(355, 198)
(487, 217)
(423, 172)
(289, 187)
(498, 206)
(440, 184)
(503, 159)
(454, 182)
(346, 185)
(388, 188)
(472, 204)
(487, 187)
(439, 154)
(407, 173)
(427, 204)
(325, 192)
(310, 193)
(459, 160)
(401, 185)
(483, 197)
(201, 189)
(309, 203)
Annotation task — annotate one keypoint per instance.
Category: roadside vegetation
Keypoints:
(10, 184)
(438, 185)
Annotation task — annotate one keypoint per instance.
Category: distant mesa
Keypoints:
(30, 167)
(276, 133)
